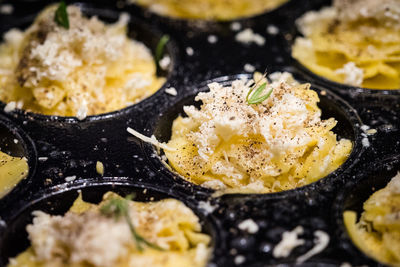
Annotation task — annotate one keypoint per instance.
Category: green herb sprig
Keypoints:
(118, 208)
(160, 49)
(61, 15)
(257, 97)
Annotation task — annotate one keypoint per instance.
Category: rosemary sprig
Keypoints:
(61, 15)
(257, 97)
(160, 49)
(118, 208)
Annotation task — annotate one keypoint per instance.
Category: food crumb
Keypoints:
(171, 91)
(272, 29)
(247, 36)
(212, 39)
(249, 68)
(6, 9)
(290, 240)
(42, 159)
(100, 168)
(239, 259)
(249, 225)
(165, 62)
(236, 26)
(365, 142)
(70, 178)
(206, 206)
(189, 51)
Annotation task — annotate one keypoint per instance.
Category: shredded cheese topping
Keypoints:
(85, 236)
(88, 69)
(354, 42)
(275, 145)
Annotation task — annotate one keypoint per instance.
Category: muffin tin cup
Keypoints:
(15, 142)
(137, 30)
(58, 200)
(331, 105)
(356, 193)
(341, 88)
(64, 147)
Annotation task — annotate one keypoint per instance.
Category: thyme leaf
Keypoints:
(160, 49)
(256, 97)
(118, 208)
(61, 15)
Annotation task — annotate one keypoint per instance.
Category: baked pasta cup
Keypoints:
(234, 145)
(12, 171)
(209, 9)
(377, 232)
(117, 232)
(84, 69)
(352, 42)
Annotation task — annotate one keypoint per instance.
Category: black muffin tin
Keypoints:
(65, 146)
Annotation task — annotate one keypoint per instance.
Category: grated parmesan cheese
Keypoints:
(189, 51)
(70, 178)
(212, 39)
(353, 75)
(248, 225)
(165, 62)
(247, 36)
(172, 91)
(290, 240)
(249, 68)
(152, 140)
(321, 241)
(6, 9)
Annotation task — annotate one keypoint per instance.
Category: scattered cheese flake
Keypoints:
(352, 74)
(207, 207)
(172, 91)
(70, 178)
(15, 141)
(212, 39)
(272, 29)
(100, 168)
(371, 131)
(247, 36)
(149, 140)
(289, 241)
(81, 114)
(165, 62)
(249, 225)
(42, 159)
(249, 68)
(236, 26)
(189, 51)
(239, 259)
(365, 142)
(11, 106)
(364, 127)
(321, 241)
(6, 9)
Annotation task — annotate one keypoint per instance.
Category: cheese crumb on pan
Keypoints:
(88, 69)
(84, 236)
(278, 144)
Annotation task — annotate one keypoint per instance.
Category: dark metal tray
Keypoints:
(72, 147)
